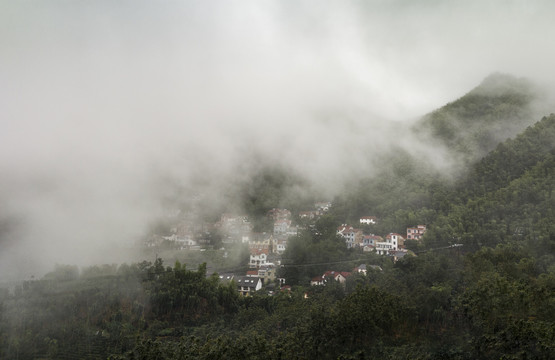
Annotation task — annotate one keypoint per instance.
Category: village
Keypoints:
(266, 248)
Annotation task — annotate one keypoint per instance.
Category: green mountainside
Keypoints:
(412, 190)
(472, 126)
(507, 196)
(490, 297)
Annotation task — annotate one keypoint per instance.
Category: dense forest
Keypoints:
(481, 283)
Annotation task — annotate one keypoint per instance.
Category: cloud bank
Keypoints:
(103, 104)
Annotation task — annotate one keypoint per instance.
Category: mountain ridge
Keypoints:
(498, 108)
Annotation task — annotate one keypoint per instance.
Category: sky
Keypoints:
(105, 104)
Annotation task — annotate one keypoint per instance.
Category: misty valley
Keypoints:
(446, 254)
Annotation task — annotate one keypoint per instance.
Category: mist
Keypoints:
(107, 107)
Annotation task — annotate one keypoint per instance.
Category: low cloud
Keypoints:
(107, 107)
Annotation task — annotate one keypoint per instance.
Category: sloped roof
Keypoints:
(226, 277)
(258, 251)
(248, 281)
(391, 234)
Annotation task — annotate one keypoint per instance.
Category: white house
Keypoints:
(368, 220)
(280, 246)
(352, 236)
(318, 280)
(258, 259)
(340, 276)
(392, 242)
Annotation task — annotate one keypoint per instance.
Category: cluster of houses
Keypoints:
(393, 244)
(341, 276)
(265, 249)
(254, 280)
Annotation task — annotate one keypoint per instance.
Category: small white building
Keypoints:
(280, 245)
(323, 206)
(368, 220)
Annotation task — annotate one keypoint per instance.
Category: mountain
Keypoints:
(499, 108)
(507, 196)
(410, 190)
(492, 298)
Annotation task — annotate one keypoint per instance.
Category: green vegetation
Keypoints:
(491, 298)
(494, 303)
(312, 251)
(472, 125)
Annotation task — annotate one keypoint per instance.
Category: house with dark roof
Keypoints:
(360, 269)
(226, 277)
(399, 254)
(247, 285)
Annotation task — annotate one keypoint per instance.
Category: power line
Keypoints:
(440, 248)
(324, 263)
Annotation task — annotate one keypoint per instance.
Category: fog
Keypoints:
(106, 107)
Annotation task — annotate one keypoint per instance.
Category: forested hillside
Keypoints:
(410, 189)
(490, 297)
(471, 126)
(506, 197)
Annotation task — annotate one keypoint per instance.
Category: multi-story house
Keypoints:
(279, 246)
(246, 285)
(415, 233)
(371, 240)
(258, 258)
(392, 242)
(267, 273)
(353, 237)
